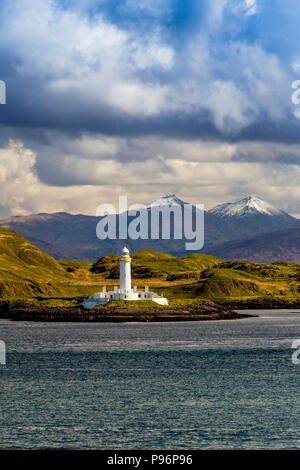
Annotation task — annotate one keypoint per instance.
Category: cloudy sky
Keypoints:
(148, 97)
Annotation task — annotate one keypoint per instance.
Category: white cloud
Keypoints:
(183, 167)
(22, 193)
(251, 7)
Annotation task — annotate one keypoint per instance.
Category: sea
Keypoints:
(227, 384)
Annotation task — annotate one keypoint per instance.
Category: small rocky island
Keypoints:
(121, 312)
(125, 304)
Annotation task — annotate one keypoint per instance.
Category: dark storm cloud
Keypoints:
(281, 158)
(52, 94)
(28, 117)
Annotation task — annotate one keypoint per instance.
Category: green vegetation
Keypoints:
(195, 277)
(230, 281)
(159, 267)
(130, 304)
(30, 276)
(26, 271)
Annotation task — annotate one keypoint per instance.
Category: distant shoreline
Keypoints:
(263, 304)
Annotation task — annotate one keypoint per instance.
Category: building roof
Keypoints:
(125, 251)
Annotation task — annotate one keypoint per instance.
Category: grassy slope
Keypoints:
(160, 268)
(24, 269)
(243, 280)
(27, 272)
(206, 277)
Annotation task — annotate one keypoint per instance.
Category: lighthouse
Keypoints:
(125, 292)
(125, 272)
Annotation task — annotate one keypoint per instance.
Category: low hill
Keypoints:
(150, 264)
(230, 281)
(28, 272)
(24, 268)
(200, 276)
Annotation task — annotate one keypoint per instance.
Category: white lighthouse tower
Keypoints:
(125, 272)
(125, 292)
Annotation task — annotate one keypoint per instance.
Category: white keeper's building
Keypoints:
(125, 291)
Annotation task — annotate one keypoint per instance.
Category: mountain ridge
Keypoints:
(270, 247)
(73, 236)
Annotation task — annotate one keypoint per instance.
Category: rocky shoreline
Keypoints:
(205, 311)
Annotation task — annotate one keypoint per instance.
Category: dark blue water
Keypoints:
(192, 385)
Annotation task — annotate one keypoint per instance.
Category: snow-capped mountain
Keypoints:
(252, 216)
(250, 205)
(167, 200)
